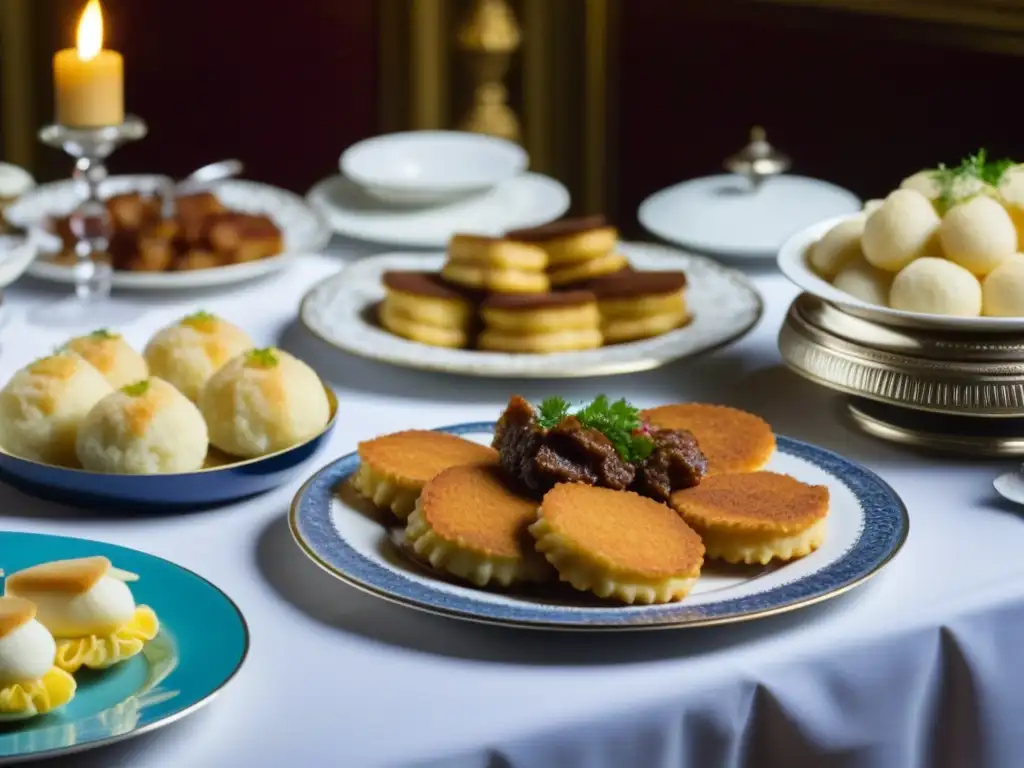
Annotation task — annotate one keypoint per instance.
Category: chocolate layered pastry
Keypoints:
(639, 305)
(577, 249)
(495, 265)
(541, 322)
(421, 306)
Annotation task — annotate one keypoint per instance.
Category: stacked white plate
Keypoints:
(418, 188)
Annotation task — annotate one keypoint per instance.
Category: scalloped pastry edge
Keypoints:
(588, 576)
(103, 651)
(55, 689)
(753, 549)
(384, 492)
(474, 567)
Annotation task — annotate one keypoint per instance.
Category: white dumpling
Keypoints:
(936, 287)
(978, 234)
(838, 247)
(1002, 292)
(902, 230)
(865, 282)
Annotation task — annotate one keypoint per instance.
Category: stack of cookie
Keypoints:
(639, 305)
(540, 322)
(422, 307)
(496, 265)
(577, 249)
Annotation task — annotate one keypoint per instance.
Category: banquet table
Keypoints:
(915, 668)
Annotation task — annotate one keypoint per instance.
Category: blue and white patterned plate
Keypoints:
(867, 526)
(202, 644)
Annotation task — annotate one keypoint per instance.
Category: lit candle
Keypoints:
(89, 81)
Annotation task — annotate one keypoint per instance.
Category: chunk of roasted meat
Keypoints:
(567, 453)
(675, 463)
(570, 452)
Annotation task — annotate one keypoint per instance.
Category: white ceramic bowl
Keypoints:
(794, 265)
(431, 167)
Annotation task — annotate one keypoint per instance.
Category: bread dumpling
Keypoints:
(1011, 192)
(838, 247)
(189, 352)
(43, 405)
(146, 428)
(263, 401)
(900, 231)
(1002, 292)
(936, 287)
(978, 234)
(111, 355)
(926, 182)
(867, 283)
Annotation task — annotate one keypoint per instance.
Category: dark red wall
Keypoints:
(848, 101)
(284, 85)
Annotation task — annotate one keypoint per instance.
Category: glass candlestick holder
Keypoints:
(90, 225)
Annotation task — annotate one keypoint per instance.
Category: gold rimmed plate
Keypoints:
(222, 480)
(723, 305)
(867, 526)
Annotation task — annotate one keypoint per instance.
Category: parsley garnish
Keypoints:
(201, 315)
(102, 333)
(262, 358)
(955, 182)
(136, 389)
(552, 411)
(617, 421)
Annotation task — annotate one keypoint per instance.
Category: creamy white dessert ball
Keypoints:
(189, 352)
(263, 401)
(1011, 192)
(926, 182)
(865, 282)
(978, 234)
(145, 428)
(1002, 291)
(936, 287)
(837, 247)
(111, 355)
(43, 405)
(902, 230)
(27, 648)
(76, 598)
(871, 206)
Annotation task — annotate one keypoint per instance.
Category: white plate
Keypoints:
(792, 261)
(867, 525)
(303, 230)
(528, 200)
(720, 215)
(430, 167)
(723, 303)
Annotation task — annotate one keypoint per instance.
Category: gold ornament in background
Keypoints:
(487, 39)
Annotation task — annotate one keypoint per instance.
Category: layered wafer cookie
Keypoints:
(638, 305)
(420, 306)
(570, 241)
(547, 322)
(496, 265)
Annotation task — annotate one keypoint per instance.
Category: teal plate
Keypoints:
(178, 672)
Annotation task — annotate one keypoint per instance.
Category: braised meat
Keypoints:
(675, 463)
(568, 453)
(571, 452)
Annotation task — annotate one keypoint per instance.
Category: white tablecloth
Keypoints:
(919, 667)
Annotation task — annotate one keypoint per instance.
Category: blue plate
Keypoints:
(202, 643)
(867, 525)
(223, 481)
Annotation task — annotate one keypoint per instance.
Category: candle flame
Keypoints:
(90, 31)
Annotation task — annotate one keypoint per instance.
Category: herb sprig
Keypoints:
(136, 389)
(618, 421)
(953, 182)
